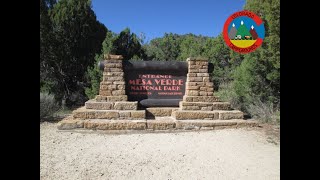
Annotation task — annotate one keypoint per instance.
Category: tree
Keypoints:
(46, 49)
(76, 38)
(258, 77)
(128, 45)
(191, 46)
(94, 74)
(165, 48)
(219, 54)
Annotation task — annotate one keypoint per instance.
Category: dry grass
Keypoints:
(264, 112)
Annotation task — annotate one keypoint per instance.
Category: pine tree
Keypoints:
(76, 37)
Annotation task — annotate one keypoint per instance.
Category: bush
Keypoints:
(264, 112)
(48, 105)
(227, 93)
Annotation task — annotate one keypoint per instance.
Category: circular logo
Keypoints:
(243, 32)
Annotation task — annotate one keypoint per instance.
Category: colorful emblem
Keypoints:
(243, 32)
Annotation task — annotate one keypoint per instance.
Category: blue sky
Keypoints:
(155, 17)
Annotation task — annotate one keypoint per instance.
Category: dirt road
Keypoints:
(216, 154)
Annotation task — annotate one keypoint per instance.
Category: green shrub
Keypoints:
(48, 105)
(227, 93)
(264, 112)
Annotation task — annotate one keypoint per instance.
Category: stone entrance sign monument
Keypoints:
(155, 95)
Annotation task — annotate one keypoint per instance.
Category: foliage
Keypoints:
(75, 38)
(72, 42)
(48, 105)
(128, 45)
(165, 49)
(264, 111)
(264, 65)
(227, 93)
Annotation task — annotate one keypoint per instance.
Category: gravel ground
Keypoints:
(218, 154)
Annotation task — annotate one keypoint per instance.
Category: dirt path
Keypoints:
(218, 154)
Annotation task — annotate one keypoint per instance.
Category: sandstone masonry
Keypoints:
(198, 110)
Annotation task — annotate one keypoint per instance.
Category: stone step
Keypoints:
(70, 123)
(160, 111)
(217, 124)
(101, 124)
(207, 115)
(162, 123)
(201, 98)
(101, 98)
(121, 105)
(204, 106)
(84, 113)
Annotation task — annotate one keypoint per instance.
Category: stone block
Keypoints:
(208, 108)
(203, 70)
(108, 87)
(113, 69)
(206, 79)
(160, 124)
(194, 79)
(112, 78)
(200, 104)
(106, 114)
(120, 86)
(160, 111)
(115, 124)
(209, 89)
(113, 57)
(203, 93)
(105, 92)
(200, 124)
(210, 93)
(189, 114)
(118, 92)
(193, 70)
(191, 83)
(121, 74)
(202, 74)
(192, 75)
(80, 113)
(221, 106)
(112, 61)
(197, 59)
(113, 65)
(226, 115)
(124, 114)
(201, 98)
(100, 98)
(209, 84)
(192, 87)
(99, 105)
(70, 123)
(139, 114)
(126, 105)
(192, 92)
(105, 83)
(119, 82)
(202, 63)
(190, 108)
